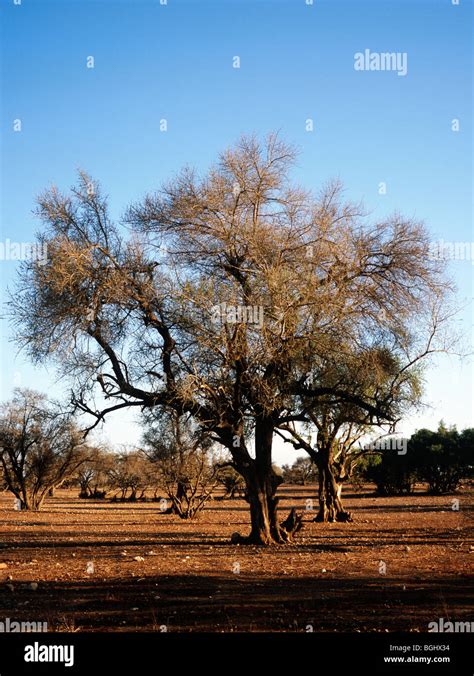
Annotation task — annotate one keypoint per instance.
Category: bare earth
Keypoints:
(193, 579)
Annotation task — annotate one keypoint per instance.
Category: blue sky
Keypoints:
(175, 62)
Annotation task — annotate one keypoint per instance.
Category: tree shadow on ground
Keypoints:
(243, 602)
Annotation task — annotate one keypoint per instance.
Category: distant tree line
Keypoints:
(42, 448)
(302, 472)
(440, 459)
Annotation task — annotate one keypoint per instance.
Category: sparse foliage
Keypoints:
(239, 298)
(302, 472)
(40, 447)
(182, 458)
(93, 476)
(232, 482)
(131, 473)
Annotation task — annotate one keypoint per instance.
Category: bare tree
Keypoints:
(334, 456)
(40, 447)
(302, 471)
(183, 458)
(232, 481)
(233, 288)
(130, 471)
(339, 425)
(93, 476)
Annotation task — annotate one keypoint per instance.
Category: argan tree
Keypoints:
(40, 447)
(334, 428)
(131, 475)
(182, 456)
(441, 458)
(302, 471)
(232, 288)
(93, 476)
(232, 482)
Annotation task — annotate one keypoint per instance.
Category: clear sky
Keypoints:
(175, 61)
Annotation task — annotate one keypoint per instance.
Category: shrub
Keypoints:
(391, 473)
(441, 458)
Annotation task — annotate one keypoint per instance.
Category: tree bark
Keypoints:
(262, 483)
(179, 503)
(330, 503)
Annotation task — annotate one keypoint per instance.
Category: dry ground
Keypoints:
(193, 579)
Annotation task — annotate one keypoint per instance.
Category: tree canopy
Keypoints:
(238, 298)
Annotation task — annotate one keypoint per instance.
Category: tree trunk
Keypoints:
(25, 503)
(330, 504)
(35, 502)
(262, 483)
(179, 503)
(263, 512)
(25, 498)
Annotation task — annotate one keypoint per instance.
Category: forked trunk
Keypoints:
(262, 483)
(263, 513)
(179, 502)
(330, 503)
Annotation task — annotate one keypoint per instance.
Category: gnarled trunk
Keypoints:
(179, 503)
(263, 511)
(262, 483)
(330, 504)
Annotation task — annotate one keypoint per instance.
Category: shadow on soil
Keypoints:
(241, 603)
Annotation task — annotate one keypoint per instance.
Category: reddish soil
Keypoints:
(193, 579)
